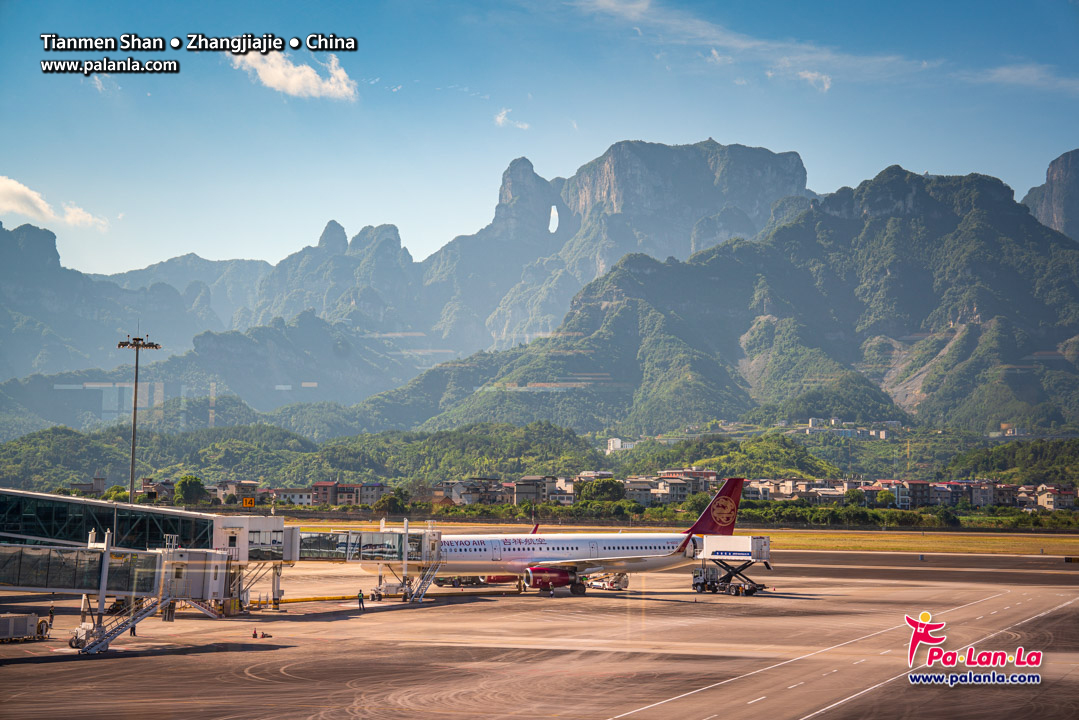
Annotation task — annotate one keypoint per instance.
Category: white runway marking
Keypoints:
(791, 687)
(908, 672)
(757, 700)
(788, 662)
(858, 661)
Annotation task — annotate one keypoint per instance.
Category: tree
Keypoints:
(603, 489)
(885, 498)
(230, 499)
(697, 502)
(854, 496)
(189, 490)
(390, 504)
(116, 493)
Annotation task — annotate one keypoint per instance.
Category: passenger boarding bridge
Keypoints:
(149, 558)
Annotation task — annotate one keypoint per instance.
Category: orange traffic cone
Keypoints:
(254, 633)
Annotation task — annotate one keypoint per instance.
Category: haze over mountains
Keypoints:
(934, 298)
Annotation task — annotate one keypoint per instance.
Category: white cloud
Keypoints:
(104, 83)
(818, 80)
(676, 27)
(717, 59)
(395, 88)
(21, 200)
(1030, 75)
(277, 72)
(502, 119)
(741, 81)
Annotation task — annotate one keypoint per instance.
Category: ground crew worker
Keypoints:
(359, 598)
(52, 612)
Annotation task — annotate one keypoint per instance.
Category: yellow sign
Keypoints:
(249, 502)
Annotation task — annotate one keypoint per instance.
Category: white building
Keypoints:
(294, 496)
(615, 444)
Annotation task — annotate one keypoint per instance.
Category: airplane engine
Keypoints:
(542, 577)
(492, 579)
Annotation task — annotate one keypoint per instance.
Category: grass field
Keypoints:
(861, 540)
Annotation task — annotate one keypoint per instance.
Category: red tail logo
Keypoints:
(718, 518)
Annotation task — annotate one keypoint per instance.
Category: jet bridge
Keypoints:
(256, 545)
(143, 582)
(412, 557)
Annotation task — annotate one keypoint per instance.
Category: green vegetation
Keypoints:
(771, 456)
(850, 397)
(274, 457)
(930, 451)
(1021, 463)
(603, 489)
(190, 490)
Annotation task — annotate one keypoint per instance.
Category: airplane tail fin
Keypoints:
(718, 518)
(535, 529)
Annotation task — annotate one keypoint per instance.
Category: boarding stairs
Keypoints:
(426, 579)
(97, 639)
(204, 607)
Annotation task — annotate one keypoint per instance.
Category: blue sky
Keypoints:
(250, 158)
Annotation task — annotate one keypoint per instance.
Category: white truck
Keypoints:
(731, 556)
(22, 627)
(609, 581)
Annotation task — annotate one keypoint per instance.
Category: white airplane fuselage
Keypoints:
(605, 552)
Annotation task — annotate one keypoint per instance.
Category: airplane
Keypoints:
(547, 561)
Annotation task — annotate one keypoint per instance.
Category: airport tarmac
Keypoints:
(829, 642)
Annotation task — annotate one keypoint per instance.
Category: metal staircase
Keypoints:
(205, 607)
(98, 639)
(425, 582)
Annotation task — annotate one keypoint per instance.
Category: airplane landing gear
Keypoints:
(577, 588)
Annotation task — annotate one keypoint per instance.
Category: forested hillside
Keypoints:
(51, 458)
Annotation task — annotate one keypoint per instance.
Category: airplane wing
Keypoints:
(590, 566)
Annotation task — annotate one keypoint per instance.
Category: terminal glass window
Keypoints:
(55, 568)
(323, 546)
(132, 572)
(260, 546)
(381, 546)
(72, 519)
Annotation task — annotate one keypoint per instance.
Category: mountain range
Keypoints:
(934, 298)
(924, 298)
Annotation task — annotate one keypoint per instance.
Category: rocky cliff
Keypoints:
(664, 201)
(1056, 203)
(53, 318)
(941, 293)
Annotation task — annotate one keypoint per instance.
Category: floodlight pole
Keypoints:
(136, 344)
